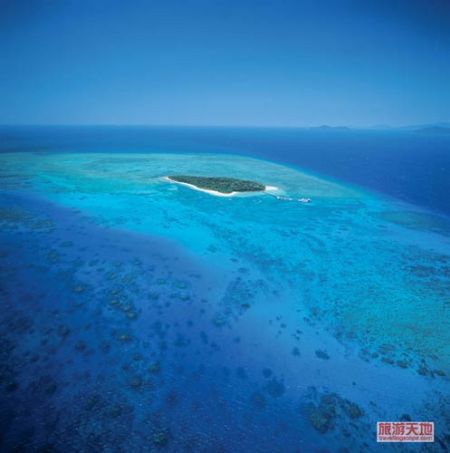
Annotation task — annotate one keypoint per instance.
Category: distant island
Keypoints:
(219, 185)
(326, 127)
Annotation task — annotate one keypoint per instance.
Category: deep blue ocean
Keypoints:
(138, 315)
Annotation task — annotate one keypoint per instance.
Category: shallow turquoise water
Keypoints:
(142, 314)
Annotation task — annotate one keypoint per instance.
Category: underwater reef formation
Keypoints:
(140, 318)
(219, 184)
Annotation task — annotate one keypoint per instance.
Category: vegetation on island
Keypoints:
(220, 184)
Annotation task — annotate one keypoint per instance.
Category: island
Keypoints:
(219, 185)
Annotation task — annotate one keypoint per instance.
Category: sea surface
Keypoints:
(140, 315)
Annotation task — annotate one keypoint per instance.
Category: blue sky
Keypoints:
(245, 63)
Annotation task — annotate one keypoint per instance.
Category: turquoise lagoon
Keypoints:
(141, 315)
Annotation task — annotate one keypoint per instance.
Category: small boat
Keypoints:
(305, 200)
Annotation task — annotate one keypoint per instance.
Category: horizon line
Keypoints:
(229, 126)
